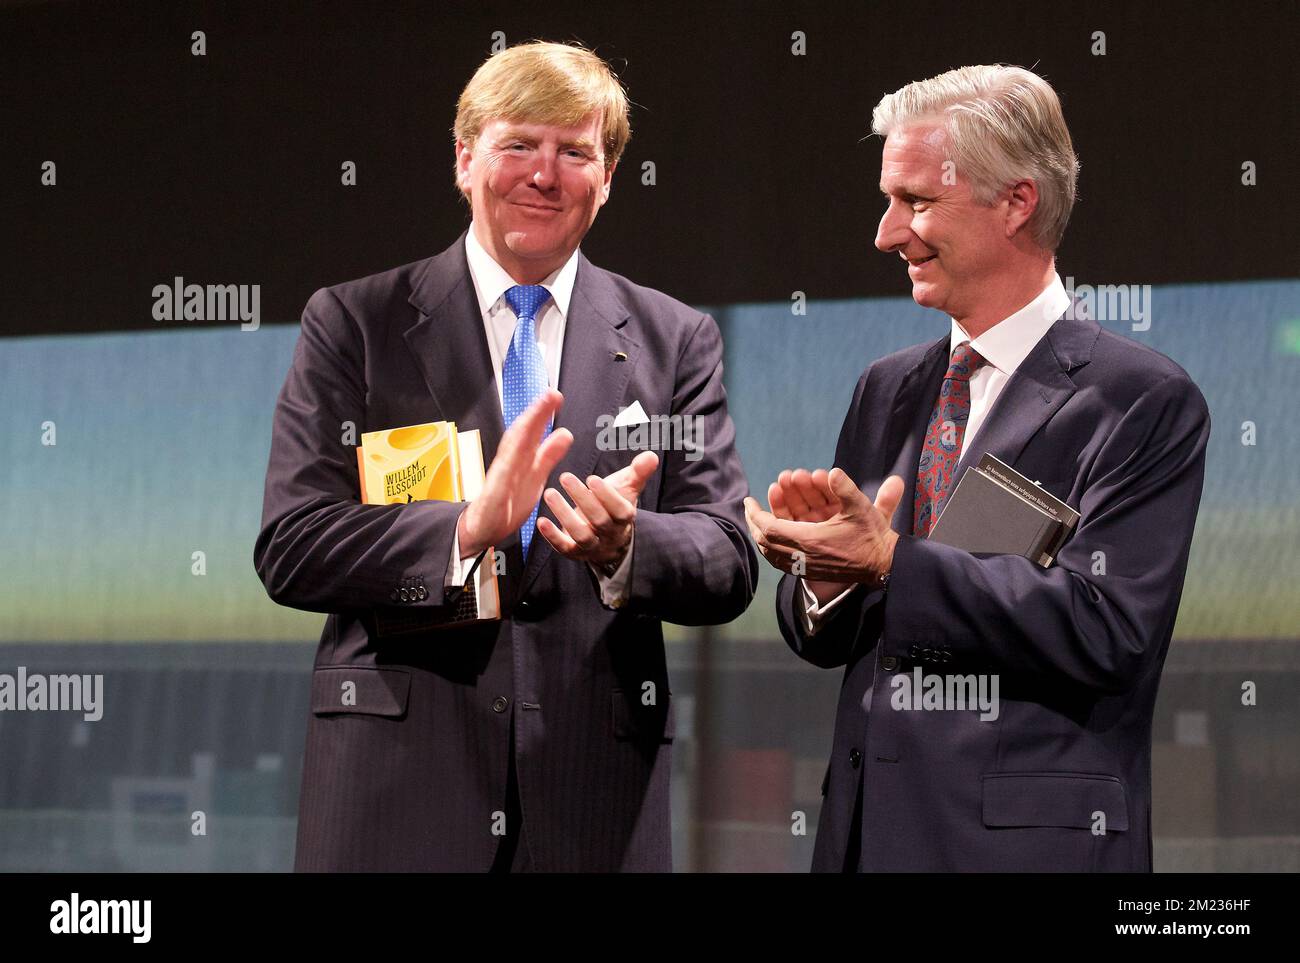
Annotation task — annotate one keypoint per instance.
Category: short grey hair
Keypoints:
(1004, 124)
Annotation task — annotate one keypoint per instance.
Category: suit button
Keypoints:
(404, 595)
(499, 704)
(393, 595)
(889, 663)
(422, 593)
(855, 758)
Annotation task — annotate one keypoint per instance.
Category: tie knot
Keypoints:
(965, 362)
(527, 299)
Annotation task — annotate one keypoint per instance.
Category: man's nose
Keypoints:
(544, 174)
(893, 231)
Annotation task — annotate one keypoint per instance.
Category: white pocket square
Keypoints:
(634, 414)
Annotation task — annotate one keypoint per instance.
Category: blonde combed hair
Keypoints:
(545, 83)
(1004, 124)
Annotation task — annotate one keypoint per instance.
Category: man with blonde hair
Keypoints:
(1053, 774)
(542, 741)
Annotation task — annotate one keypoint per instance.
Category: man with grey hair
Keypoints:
(978, 172)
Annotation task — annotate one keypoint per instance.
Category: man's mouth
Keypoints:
(917, 262)
(537, 207)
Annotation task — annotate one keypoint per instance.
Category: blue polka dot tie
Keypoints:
(523, 377)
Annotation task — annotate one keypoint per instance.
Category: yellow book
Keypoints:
(410, 464)
(420, 462)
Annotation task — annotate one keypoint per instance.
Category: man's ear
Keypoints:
(1022, 201)
(464, 154)
(609, 178)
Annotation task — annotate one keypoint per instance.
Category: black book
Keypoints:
(998, 511)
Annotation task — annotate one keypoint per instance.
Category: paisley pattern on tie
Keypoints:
(943, 438)
(523, 376)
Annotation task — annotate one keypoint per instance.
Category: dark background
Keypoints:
(226, 168)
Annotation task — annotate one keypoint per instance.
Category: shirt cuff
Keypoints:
(613, 588)
(815, 614)
(459, 567)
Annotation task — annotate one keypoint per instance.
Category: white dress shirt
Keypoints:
(491, 282)
(1004, 346)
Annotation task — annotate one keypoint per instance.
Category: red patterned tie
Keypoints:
(943, 439)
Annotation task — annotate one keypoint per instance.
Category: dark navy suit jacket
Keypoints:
(1119, 432)
(412, 775)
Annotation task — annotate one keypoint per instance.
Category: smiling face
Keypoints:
(535, 190)
(957, 250)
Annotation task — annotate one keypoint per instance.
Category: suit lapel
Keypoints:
(592, 381)
(450, 346)
(1035, 392)
(907, 424)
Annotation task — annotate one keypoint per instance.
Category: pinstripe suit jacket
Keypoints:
(410, 777)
